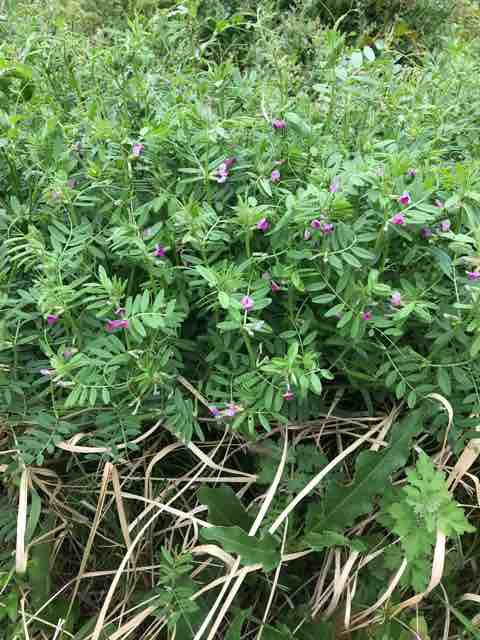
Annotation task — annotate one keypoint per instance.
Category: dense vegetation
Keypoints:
(240, 320)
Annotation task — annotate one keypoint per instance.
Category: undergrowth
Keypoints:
(240, 326)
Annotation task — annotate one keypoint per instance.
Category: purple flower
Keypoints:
(52, 319)
(411, 173)
(247, 303)
(398, 219)
(366, 316)
(71, 183)
(275, 175)
(159, 252)
(263, 224)
(327, 228)
(473, 275)
(274, 286)
(114, 325)
(439, 203)
(396, 299)
(229, 162)
(316, 224)
(214, 411)
(426, 232)
(334, 185)
(221, 177)
(47, 372)
(279, 124)
(120, 312)
(68, 353)
(137, 149)
(307, 235)
(445, 225)
(232, 410)
(405, 198)
(288, 395)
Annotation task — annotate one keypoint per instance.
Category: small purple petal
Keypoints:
(263, 224)
(316, 224)
(247, 303)
(159, 252)
(114, 325)
(426, 232)
(398, 219)
(279, 124)
(405, 198)
(327, 228)
(137, 149)
(214, 411)
(222, 178)
(71, 183)
(229, 162)
(445, 225)
(396, 299)
(275, 175)
(307, 235)
(439, 203)
(120, 312)
(366, 316)
(473, 275)
(274, 286)
(288, 395)
(411, 173)
(334, 185)
(52, 319)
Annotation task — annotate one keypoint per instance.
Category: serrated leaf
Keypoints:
(224, 507)
(251, 549)
(343, 504)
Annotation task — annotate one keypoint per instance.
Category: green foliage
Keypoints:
(343, 504)
(417, 511)
(239, 222)
(252, 549)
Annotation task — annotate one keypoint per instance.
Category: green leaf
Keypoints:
(252, 550)
(224, 299)
(356, 59)
(235, 630)
(224, 507)
(327, 539)
(342, 504)
(475, 348)
(444, 381)
(324, 298)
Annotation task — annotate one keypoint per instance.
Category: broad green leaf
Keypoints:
(252, 550)
(235, 630)
(224, 507)
(224, 299)
(342, 504)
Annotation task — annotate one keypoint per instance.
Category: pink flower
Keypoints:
(288, 395)
(229, 162)
(473, 275)
(426, 232)
(275, 175)
(114, 325)
(279, 124)
(439, 203)
(307, 235)
(327, 228)
(232, 410)
(68, 353)
(137, 149)
(159, 252)
(247, 303)
(396, 299)
(263, 224)
(398, 219)
(334, 185)
(316, 224)
(405, 198)
(52, 319)
(214, 411)
(445, 225)
(411, 173)
(366, 316)
(120, 312)
(274, 286)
